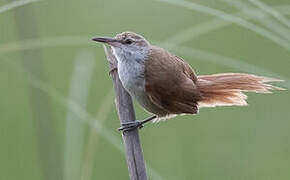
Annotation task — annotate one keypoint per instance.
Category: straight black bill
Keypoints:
(104, 39)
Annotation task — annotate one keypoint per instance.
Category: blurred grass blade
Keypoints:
(267, 22)
(48, 142)
(215, 24)
(15, 4)
(82, 115)
(192, 32)
(44, 43)
(90, 154)
(84, 66)
(272, 12)
(231, 18)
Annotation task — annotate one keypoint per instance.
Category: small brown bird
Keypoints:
(166, 86)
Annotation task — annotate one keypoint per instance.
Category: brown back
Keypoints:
(170, 82)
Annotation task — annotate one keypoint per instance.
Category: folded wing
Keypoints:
(170, 83)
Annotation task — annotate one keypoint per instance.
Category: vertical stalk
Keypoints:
(48, 140)
(134, 155)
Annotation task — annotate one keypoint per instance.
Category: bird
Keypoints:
(166, 86)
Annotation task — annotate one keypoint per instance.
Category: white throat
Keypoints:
(137, 55)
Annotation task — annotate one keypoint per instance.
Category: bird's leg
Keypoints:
(129, 126)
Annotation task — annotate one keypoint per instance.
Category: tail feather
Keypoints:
(227, 89)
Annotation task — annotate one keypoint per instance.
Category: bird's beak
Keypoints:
(106, 40)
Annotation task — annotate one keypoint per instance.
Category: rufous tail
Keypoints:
(227, 89)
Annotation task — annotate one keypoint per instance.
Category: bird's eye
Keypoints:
(128, 41)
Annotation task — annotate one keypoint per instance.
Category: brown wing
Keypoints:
(170, 82)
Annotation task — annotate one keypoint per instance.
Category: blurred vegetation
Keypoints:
(58, 119)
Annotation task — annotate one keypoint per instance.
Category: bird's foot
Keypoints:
(129, 126)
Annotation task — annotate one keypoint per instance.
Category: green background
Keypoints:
(58, 119)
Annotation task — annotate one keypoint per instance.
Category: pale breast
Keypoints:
(132, 78)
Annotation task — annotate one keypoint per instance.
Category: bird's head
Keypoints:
(127, 45)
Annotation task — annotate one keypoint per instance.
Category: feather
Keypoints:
(170, 83)
(227, 89)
